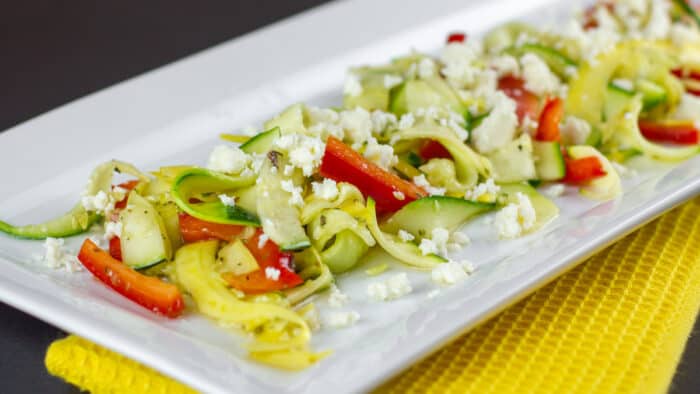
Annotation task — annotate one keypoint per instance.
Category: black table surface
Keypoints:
(52, 52)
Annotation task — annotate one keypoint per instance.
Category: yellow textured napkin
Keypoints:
(616, 324)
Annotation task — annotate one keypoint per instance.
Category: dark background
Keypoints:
(52, 52)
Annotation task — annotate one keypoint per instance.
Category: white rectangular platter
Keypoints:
(173, 115)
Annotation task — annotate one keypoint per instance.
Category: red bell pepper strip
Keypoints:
(268, 255)
(433, 150)
(678, 132)
(194, 230)
(527, 102)
(149, 292)
(115, 248)
(456, 37)
(551, 116)
(583, 169)
(129, 186)
(341, 163)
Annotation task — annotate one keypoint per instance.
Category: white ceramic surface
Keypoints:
(173, 115)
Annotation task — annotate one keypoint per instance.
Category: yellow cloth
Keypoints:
(616, 324)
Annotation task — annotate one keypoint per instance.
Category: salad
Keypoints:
(420, 146)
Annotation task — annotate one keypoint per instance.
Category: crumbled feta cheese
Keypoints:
(272, 273)
(327, 190)
(458, 59)
(352, 87)
(112, 229)
(391, 80)
(499, 127)
(555, 190)
(407, 121)
(394, 287)
(486, 191)
(682, 35)
(321, 115)
(575, 131)
(422, 182)
(228, 159)
(101, 203)
(426, 68)
(262, 240)
(659, 22)
(399, 195)
(440, 237)
(305, 152)
(227, 200)
(447, 274)
(427, 246)
(539, 79)
(357, 124)
(56, 257)
(380, 154)
(505, 65)
(296, 198)
(406, 236)
(460, 238)
(605, 19)
(381, 120)
(530, 126)
(515, 218)
(342, 319)
(336, 298)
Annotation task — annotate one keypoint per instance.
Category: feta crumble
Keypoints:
(399, 195)
(228, 159)
(459, 59)
(406, 121)
(305, 152)
(447, 274)
(382, 120)
(406, 236)
(426, 68)
(272, 273)
(499, 127)
(394, 287)
(380, 154)
(515, 218)
(659, 22)
(575, 131)
(296, 199)
(342, 319)
(112, 229)
(505, 65)
(460, 238)
(539, 79)
(101, 203)
(327, 190)
(437, 244)
(421, 181)
(56, 257)
(357, 124)
(336, 298)
(427, 246)
(227, 200)
(486, 191)
(682, 35)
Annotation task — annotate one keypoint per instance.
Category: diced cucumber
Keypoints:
(616, 99)
(514, 162)
(557, 61)
(406, 252)
(652, 93)
(199, 180)
(144, 239)
(262, 142)
(290, 121)
(280, 220)
(545, 209)
(422, 216)
(235, 258)
(549, 162)
(415, 94)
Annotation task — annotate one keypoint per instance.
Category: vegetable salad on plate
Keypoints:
(420, 146)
